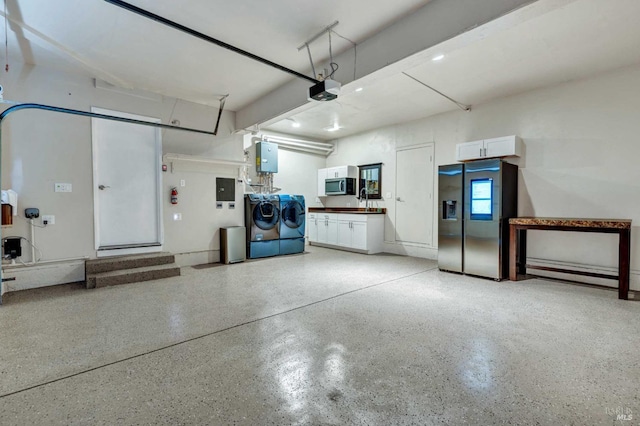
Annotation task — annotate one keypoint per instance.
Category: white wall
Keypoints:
(40, 148)
(297, 171)
(580, 159)
(379, 146)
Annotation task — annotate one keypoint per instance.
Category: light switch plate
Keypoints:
(63, 187)
(50, 219)
(388, 195)
(177, 216)
(183, 182)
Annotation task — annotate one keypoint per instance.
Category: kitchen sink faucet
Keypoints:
(366, 195)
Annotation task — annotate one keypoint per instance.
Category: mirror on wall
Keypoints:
(371, 178)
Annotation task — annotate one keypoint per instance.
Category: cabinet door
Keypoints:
(359, 235)
(332, 231)
(344, 171)
(322, 175)
(469, 150)
(344, 233)
(312, 226)
(502, 147)
(322, 229)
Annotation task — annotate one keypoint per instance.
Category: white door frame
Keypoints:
(405, 148)
(96, 211)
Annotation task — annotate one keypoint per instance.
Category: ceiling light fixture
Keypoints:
(437, 58)
(294, 123)
(334, 128)
(359, 89)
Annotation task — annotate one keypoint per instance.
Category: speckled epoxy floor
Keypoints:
(328, 337)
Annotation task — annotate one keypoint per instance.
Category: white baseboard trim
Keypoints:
(197, 257)
(64, 272)
(634, 275)
(43, 275)
(337, 247)
(413, 250)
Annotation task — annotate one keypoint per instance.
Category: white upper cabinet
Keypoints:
(322, 175)
(506, 146)
(469, 150)
(342, 172)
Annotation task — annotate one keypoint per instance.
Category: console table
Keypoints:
(518, 245)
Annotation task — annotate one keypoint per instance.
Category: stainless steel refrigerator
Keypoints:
(476, 201)
(450, 219)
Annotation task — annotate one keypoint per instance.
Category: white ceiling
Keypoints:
(132, 51)
(561, 41)
(544, 43)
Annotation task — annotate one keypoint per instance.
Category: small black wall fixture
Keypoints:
(197, 34)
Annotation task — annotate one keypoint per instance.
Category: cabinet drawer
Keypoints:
(353, 217)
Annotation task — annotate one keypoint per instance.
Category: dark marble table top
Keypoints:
(571, 222)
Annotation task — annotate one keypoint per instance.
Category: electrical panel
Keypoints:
(266, 157)
(225, 189)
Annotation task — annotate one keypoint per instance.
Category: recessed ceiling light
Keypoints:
(437, 58)
(333, 129)
(294, 123)
(359, 89)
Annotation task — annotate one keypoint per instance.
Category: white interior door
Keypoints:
(414, 195)
(126, 177)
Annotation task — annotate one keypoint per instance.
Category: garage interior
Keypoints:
(337, 333)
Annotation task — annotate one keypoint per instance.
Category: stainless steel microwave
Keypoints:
(340, 186)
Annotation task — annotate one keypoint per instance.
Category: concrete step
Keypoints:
(133, 275)
(96, 266)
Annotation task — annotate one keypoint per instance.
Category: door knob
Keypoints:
(103, 187)
(398, 199)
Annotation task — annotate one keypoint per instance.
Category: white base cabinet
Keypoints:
(355, 232)
(312, 226)
(323, 228)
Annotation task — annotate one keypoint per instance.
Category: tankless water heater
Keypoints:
(266, 157)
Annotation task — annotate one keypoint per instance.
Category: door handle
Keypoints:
(399, 199)
(103, 187)
(341, 186)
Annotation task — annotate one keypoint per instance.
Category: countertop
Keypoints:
(574, 222)
(350, 210)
